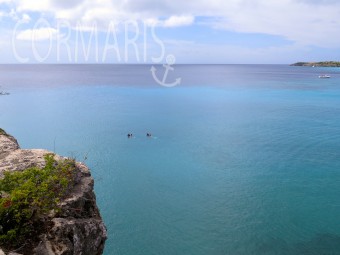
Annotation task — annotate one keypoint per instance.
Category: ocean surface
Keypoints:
(244, 159)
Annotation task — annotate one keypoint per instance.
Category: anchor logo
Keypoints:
(170, 60)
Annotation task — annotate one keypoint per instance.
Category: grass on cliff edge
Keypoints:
(27, 198)
(3, 132)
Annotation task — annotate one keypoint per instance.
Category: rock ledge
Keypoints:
(79, 228)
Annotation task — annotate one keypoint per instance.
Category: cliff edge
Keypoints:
(77, 227)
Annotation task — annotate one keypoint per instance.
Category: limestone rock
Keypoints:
(78, 228)
(7, 143)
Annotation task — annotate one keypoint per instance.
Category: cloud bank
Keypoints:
(304, 23)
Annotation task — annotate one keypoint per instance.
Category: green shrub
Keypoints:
(2, 132)
(27, 198)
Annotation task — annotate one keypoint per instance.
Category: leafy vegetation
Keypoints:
(27, 198)
(2, 132)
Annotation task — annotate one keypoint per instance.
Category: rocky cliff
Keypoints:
(78, 227)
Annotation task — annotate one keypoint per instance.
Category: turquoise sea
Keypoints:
(244, 159)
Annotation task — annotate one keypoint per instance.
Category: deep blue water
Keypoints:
(244, 159)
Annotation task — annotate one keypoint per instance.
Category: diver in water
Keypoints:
(148, 134)
(129, 135)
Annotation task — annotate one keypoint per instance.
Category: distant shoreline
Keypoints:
(318, 64)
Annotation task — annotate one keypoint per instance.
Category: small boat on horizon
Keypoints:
(3, 93)
(325, 76)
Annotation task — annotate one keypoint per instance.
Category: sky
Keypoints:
(159, 31)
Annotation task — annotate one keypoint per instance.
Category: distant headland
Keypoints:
(318, 64)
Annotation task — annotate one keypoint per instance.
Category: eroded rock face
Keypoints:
(7, 144)
(78, 228)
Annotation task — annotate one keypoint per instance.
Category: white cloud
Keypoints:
(300, 22)
(177, 21)
(173, 21)
(307, 22)
(25, 18)
(12, 14)
(39, 34)
(38, 6)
